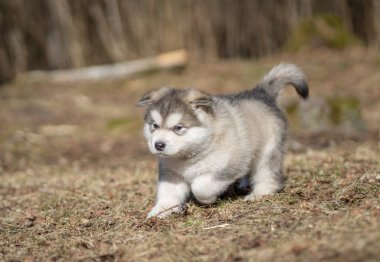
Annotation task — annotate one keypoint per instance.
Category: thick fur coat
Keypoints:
(205, 143)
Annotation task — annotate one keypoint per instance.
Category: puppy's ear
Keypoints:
(152, 96)
(199, 99)
(202, 102)
(145, 100)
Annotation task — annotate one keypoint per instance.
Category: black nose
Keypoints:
(159, 146)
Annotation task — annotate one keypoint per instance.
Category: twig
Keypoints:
(217, 226)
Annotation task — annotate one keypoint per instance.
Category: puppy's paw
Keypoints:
(162, 211)
(252, 197)
(257, 196)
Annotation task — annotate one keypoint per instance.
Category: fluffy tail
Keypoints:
(282, 75)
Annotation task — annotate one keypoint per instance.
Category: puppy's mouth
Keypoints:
(161, 154)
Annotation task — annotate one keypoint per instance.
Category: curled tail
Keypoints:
(283, 75)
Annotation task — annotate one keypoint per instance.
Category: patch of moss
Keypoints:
(192, 222)
(323, 30)
(292, 115)
(122, 123)
(335, 205)
(291, 200)
(345, 109)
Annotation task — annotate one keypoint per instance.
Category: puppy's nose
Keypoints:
(160, 146)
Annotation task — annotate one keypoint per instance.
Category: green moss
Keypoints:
(292, 200)
(192, 222)
(292, 110)
(323, 30)
(122, 123)
(344, 108)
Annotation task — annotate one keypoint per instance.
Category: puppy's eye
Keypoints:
(177, 128)
(154, 126)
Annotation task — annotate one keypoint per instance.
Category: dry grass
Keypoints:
(82, 193)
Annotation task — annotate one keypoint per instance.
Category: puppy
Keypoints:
(205, 143)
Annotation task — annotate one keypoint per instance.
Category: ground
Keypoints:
(77, 180)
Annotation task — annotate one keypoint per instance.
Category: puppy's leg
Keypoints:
(172, 193)
(267, 177)
(207, 188)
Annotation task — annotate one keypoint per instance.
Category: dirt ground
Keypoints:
(77, 180)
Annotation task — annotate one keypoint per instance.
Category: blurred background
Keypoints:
(41, 34)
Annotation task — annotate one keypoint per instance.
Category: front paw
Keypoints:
(252, 197)
(162, 211)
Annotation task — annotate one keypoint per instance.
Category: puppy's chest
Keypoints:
(216, 163)
(193, 170)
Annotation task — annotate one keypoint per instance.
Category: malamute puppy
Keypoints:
(205, 143)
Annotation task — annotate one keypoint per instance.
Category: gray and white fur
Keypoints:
(205, 143)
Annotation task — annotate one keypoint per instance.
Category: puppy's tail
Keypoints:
(281, 76)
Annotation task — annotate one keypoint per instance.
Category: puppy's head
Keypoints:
(177, 121)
